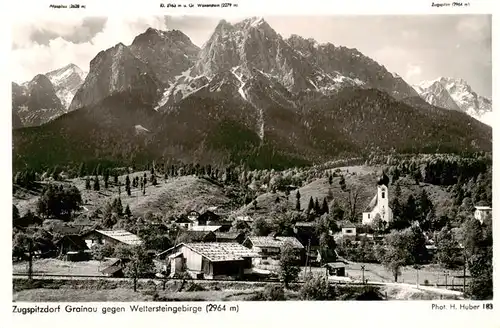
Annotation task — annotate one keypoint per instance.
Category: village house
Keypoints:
(335, 269)
(229, 237)
(482, 212)
(210, 260)
(379, 205)
(112, 237)
(207, 218)
(184, 222)
(270, 247)
(348, 230)
(306, 234)
(73, 248)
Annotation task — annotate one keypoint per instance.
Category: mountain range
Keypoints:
(456, 94)
(248, 95)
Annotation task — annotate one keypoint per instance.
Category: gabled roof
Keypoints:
(372, 205)
(182, 219)
(347, 224)
(122, 236)
(76, 240)
(220, 252)
(275, 241)
(227, 235)
(206, 228)
(305, 224)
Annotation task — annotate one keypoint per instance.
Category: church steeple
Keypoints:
(383, 179)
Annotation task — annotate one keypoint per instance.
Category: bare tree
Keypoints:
(352, 202)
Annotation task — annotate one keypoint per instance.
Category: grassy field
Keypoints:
(172, 195)
(377, 272)
(55, 266)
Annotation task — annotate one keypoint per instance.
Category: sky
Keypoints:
(418, 48)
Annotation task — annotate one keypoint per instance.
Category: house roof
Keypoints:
(274, 241)
(75, 240)
(122, 236)
(182, 219)
(227, 235)
(206, 228)
(483, 208)
(372, 205)
(347, 224)
(111, 269)
(335, 265)
(221, 252)
(305, 224)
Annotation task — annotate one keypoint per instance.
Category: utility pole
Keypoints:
(446, 279)
(465, 263)
(363, 273)
(30, 259)
(307, 258)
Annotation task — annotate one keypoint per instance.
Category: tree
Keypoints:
(310, 206)
(424, 205)
(342, 184)
(96, 183)
(447, 252)
(317, 208)
(106, 178)
(315, 288)
(403, 248)
(330, 179)
(481, 271)
(261, 227)
(327, 247)
(87, 184)
(127, 212)
(288, 269)
(127, 185)
(15, 213)
(82, 170)
(324, 207)
(140, 265)
(297, 203)
(352, 201)
(58, 202)
(115, 177)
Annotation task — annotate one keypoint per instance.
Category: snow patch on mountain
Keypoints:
(457, 94)
(66, 81)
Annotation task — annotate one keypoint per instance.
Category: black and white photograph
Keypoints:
(274, 158)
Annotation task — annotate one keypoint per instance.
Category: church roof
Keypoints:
(372, 205)
(383, 179)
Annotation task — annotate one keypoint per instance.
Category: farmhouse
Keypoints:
(207, 218)
(482, 212)
(113, 237)
(379, 205)
(73, 247)
(271, 246)
(210, 260)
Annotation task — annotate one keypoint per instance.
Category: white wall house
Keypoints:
(380, 203)
(482, 212)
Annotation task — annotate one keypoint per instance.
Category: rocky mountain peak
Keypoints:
(116, 70)
(168, 53)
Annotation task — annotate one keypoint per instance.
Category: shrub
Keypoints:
(315, 287)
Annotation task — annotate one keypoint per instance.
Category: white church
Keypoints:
(380, 203)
